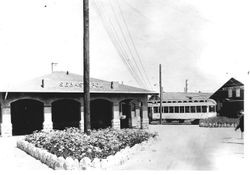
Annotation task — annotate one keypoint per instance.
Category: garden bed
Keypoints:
(219, 122)
(72, 149)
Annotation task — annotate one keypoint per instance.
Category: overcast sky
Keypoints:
(204, 41)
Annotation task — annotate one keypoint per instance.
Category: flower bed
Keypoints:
(72, 149)
(218, 122)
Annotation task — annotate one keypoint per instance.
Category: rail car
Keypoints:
(182, 110)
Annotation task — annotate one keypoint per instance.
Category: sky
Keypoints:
(204, 41)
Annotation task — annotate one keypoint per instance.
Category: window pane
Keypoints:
(176, 109)
(171, 109)
(187, 109)
(230, 93)
(211, 108)
(181, 109)
(156, 109)
(198, 108)
(238, 92)
(204, 109)
(165, 109)
(193, 109)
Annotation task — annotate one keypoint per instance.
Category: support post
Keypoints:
(6, 127)
(145, 121)
(47, 124)
(81, 126)
(116, 116)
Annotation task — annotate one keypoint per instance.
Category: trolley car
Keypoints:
(180, 110)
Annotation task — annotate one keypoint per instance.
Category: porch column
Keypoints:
(116, 116)
(47, 124)
(145, 121)
(81, 127)
(138, 117)
(6, 126)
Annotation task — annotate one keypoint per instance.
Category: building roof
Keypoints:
(65, 82)
(182, 96)
(222, 91)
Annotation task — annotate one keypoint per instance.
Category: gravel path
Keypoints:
(179, 147)
(13, 159)
(188, 147)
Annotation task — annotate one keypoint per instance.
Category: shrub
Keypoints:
(72, 142)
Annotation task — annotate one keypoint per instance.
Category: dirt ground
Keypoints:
(179, 147)
(190, 147)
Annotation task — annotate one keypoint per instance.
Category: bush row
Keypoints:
(218, 122)
(100, 144)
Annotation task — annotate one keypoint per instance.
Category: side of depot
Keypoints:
(55, 101)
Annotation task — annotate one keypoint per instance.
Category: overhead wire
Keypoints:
(133, 44)
(128, 45)
(115, 40)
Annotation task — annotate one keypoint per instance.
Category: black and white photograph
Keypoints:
(124, 85)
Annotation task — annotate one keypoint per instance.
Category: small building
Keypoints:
(55, 101)
(229, 98)
(182, 106)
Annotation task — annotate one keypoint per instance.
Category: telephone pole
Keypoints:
(86, 99)
(160, 94)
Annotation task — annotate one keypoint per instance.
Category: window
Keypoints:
(171, 109)
(187, 109)
(204, 109)
(238, 92)
(165, 109)
(198, 108)
(176, 109)
(211, 108)
(156, 109)
(181, 109)
(193, 109)
(230, 93)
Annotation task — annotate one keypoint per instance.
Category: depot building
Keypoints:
(55, 101)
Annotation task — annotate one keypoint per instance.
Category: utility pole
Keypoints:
(86, 99)
(160, 94)
(186, 86)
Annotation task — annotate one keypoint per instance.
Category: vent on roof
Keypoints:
(67, 73)
(114, 84)
(42, 85)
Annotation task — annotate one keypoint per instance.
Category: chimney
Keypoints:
(114, 84)
(67, 73)
(42, 85)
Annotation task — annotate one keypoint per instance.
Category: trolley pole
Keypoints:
(160, 94)
(86, 99)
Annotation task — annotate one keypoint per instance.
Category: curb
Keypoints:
(60, 163)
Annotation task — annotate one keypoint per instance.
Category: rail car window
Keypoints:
(193, 109)
(204, 109)
(165, 109)
(198, 108)
(156, 109)
(211, 108)
(187, 109)
(171, 109)
(181, 109)
(176, 109)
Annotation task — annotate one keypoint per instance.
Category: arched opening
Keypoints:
(127, 109)
(66, 113)
(27, 116)
(101, 113)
